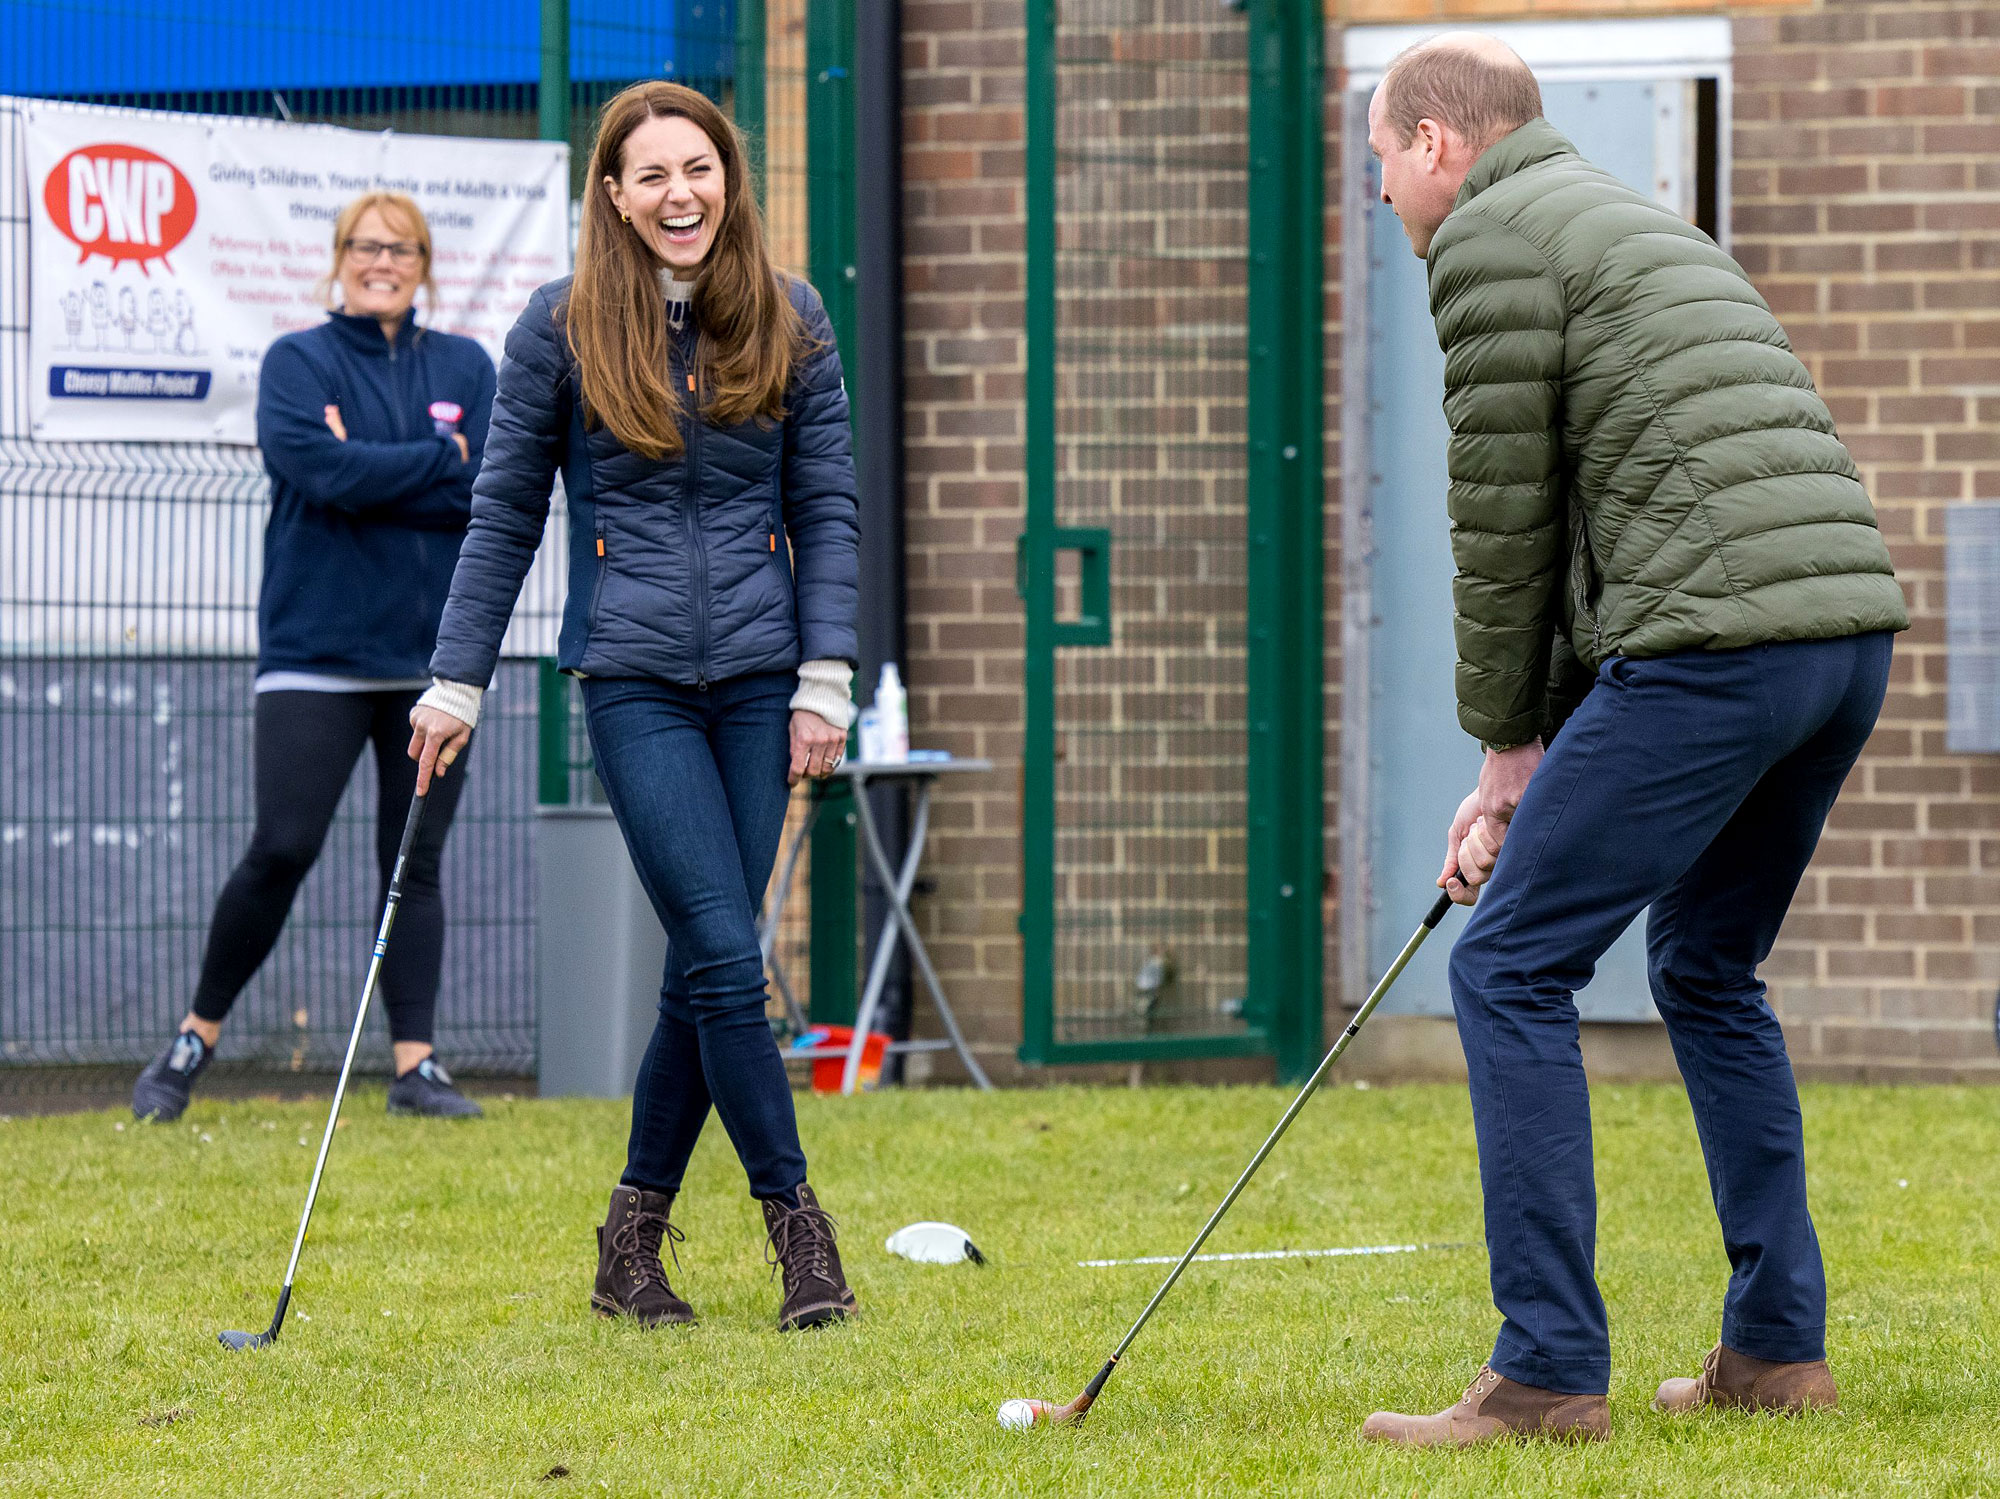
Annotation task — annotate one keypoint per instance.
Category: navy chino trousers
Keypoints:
(1697, 784)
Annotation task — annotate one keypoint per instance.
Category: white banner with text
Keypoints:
(168, 251)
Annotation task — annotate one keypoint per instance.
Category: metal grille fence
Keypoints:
(128, 571)
(1151, 260)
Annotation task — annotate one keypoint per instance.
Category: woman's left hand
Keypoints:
(817, 747)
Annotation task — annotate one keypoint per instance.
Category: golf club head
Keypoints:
(241, 1342)
(1019, 1415)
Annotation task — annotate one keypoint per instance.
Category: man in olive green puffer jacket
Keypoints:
(1663, 551)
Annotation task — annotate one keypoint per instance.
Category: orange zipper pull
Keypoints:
(600, 546)
(690, 382)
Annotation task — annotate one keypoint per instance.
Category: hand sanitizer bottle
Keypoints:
(892, 706)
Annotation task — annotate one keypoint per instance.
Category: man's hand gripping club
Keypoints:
(1473, 845)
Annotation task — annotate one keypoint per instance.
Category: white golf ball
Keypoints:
(1017, 1415)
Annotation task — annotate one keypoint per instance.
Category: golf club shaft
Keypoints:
(410, 826)
(1437, 914)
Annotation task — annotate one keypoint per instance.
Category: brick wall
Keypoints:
(1865, 204)
(964, 279)
(1867, 209)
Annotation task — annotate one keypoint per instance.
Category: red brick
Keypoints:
(1919, 255)
(1982, 63)
(1982, 370)
(1922, 334)
(1915, 22)
(1873, 373)
(1872, 296)
(1934, 100)
(1874, 218)
(1920, 176)
(1820, 180)
(1969, 291)
(1962, 214)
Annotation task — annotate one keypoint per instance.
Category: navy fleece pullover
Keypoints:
(364, 534)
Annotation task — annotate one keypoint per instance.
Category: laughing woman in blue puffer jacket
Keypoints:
(691, 397)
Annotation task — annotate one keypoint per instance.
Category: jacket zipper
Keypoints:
(697, 554)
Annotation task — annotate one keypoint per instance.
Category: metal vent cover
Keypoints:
(1972, 627)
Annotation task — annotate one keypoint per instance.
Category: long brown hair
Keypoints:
(750, 334)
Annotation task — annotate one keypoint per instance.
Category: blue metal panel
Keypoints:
(202, 45)
(1421, 763)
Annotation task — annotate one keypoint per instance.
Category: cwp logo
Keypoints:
(120, 201)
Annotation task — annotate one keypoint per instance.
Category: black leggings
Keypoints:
(306, 746)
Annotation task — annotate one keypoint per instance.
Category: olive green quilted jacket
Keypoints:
(1639, 463)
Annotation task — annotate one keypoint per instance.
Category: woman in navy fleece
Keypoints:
(372, 428)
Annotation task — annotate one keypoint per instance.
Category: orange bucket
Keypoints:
(826, 1070)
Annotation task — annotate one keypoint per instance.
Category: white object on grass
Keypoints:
(1017, 1415)
(933, 1244)
(1277, 1254)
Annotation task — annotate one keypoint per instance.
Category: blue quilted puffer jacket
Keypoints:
(678, 569)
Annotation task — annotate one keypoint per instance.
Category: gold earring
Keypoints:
(624, 218)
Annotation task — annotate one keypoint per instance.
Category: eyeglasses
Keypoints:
(402, 252)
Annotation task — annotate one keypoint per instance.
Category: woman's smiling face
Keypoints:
(670, 186)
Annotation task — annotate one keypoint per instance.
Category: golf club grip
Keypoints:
(1438, 913)
(411, 823)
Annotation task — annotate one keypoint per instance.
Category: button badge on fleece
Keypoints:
(445, 417)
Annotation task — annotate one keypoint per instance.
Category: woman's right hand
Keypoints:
(436, 739)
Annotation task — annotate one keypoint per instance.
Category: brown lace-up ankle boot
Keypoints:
(631, 1281)
(1736, 1381)
(801, 1244)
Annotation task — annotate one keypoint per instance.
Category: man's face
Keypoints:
(1419, 180)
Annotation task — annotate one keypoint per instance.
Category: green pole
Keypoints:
(552, 738)
(553, 95)
(830, 246)
(1285, 489)
(1036, 570)
(750, 105)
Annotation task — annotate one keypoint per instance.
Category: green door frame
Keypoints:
(830, 230)
(1284, 835)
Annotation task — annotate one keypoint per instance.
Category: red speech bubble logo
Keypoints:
(120, 201)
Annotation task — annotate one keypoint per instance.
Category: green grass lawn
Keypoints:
(440, 1341)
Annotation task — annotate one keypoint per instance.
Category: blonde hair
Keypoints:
(750, 336)
(401, 210)
(1481, 90)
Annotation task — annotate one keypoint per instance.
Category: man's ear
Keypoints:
(1431, 134)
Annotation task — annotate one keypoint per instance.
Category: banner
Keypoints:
(166, 252)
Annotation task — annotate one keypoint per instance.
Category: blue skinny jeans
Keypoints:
(696, 778)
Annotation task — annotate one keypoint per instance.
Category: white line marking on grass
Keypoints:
(1276, 1254)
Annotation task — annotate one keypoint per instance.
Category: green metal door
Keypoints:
(1170, 568)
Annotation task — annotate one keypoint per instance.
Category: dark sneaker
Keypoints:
(427, 1089)
(631, 1281)
(802, 1246)
(1735, 1381)
(1497, 1409)
(163, 1089)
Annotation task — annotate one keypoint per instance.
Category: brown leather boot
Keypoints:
(1494, 1409)
(1736, 1381)
(631, 1281)
(802, 1246)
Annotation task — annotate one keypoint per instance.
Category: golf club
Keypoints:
(1021, 1414)
(243, 1340)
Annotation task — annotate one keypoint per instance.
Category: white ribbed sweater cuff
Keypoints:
(459, 699)
(825, 688)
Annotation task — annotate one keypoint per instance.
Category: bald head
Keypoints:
(1473, 83)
